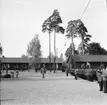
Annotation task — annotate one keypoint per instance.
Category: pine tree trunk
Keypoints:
(82, 46)
(54, 51)
(50, 51)
(72, 45)
(49, 48)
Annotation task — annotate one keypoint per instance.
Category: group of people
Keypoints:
(101, 76)
(13, 73)
(102, 79)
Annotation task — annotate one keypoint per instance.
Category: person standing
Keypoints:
(100, 79)
(76, 73)
(105, 80)
(44, 67)
(17, 73)
(12, 75)
(43, 71)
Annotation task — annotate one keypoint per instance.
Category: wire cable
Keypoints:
(85, 9)
(106, 4)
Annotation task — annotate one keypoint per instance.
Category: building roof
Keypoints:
(14, 60)
(46, 60)
(89, 58)
(21, 60)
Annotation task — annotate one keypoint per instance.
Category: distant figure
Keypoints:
(44, 68)
(88, 71)
(36, 68)
(100, 79)
(17, 73)
(12, 75)
(104, 73)
(76, 73)
(43, 71)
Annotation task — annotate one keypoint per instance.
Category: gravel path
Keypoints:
(55, 89)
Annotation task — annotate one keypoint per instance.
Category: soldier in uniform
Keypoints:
(17, 73)
(105, 80)
(12, 75)
(68, 67)
(43, 71)
(100, 79)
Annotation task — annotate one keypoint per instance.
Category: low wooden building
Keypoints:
(49, 65)
(14, 63)
(94, 60)
(23, 64)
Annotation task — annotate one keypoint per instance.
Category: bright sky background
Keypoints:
(22, 19)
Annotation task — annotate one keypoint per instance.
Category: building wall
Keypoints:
(15, 66)
(93, 64)
(25, 66)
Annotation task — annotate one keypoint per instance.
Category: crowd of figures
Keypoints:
(101, 75)
(4, 72)
(12, 74)
(102, 79)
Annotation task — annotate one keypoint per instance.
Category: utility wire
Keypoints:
(85, 9)
(106, 4)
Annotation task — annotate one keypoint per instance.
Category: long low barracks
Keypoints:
(94, 60)
(19, 63)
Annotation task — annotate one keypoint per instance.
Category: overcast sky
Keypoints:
(22, 19)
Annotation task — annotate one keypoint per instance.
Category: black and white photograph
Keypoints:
(53, 52)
